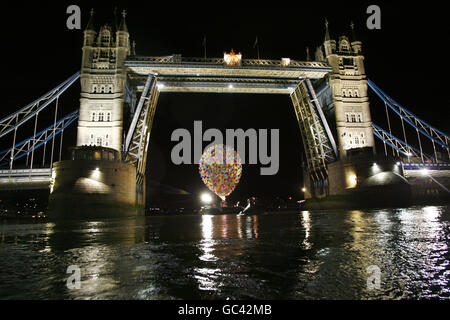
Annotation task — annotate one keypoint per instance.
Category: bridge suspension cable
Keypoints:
(27, 146)
(16, 119)
(397, 144)
(421, 127)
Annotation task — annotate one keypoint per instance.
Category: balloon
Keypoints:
(220, 168)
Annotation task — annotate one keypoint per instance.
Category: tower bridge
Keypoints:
(330, 99)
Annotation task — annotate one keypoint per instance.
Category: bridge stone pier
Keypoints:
(119, 95)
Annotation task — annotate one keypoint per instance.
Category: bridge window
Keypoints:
(99, 141)
(356, 93)
(359, 117)
(100, 116)
(108, 118)
(356, 140)
(93, 116)
(347, 117)
(353, 118)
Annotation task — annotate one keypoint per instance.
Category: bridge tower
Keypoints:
(103, 79)
(349, 85)
(95, 181)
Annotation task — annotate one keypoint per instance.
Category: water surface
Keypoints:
(304, 255)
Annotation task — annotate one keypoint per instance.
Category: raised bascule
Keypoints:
(119, 95)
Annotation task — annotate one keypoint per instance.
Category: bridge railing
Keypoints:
(245, 62)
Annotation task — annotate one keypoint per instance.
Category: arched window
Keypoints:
(356, 93)
(99, 141)
(108, 116)
(347, 117)
(356, 140)
(359, 118)
(353, 118)
(93, 116)
(100, 116)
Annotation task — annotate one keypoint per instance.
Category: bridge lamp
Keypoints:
(303, 189)
(206, 198)
(285, 62)
(230, 86)
(424, 172)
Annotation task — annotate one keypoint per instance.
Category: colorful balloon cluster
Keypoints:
(220, 168)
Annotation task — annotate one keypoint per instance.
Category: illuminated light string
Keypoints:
(220, 168)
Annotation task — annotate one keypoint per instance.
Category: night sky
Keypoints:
(407, 58)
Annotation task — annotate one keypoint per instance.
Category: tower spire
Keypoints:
(353, 34)
(116, 24)
(90, 25)
(123, 25)
(327, 32)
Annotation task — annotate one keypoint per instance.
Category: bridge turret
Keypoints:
(349, 84)
(88, 41)
(356, 44)
(122, 40)
(329, 44)
(103, 78)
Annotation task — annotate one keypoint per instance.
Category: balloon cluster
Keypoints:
(220, 168)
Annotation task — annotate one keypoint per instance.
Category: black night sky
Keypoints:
(407, 58)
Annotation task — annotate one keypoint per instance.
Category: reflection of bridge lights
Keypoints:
(206, 198)
(424, 172)
(160, 85)
(230, 86)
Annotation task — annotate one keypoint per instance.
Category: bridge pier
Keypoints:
(94, 184)
(361, 180)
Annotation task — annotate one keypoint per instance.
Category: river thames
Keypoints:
(303, 255)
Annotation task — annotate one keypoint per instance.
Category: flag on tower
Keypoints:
(204, 45)
(256, 44)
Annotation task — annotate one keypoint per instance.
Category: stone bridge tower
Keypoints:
(349, 85)
(103, 79)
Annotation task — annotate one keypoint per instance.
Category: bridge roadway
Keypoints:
(25, 179)
(418, 174)
(177, 74)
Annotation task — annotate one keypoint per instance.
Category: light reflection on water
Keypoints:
(307, 255)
